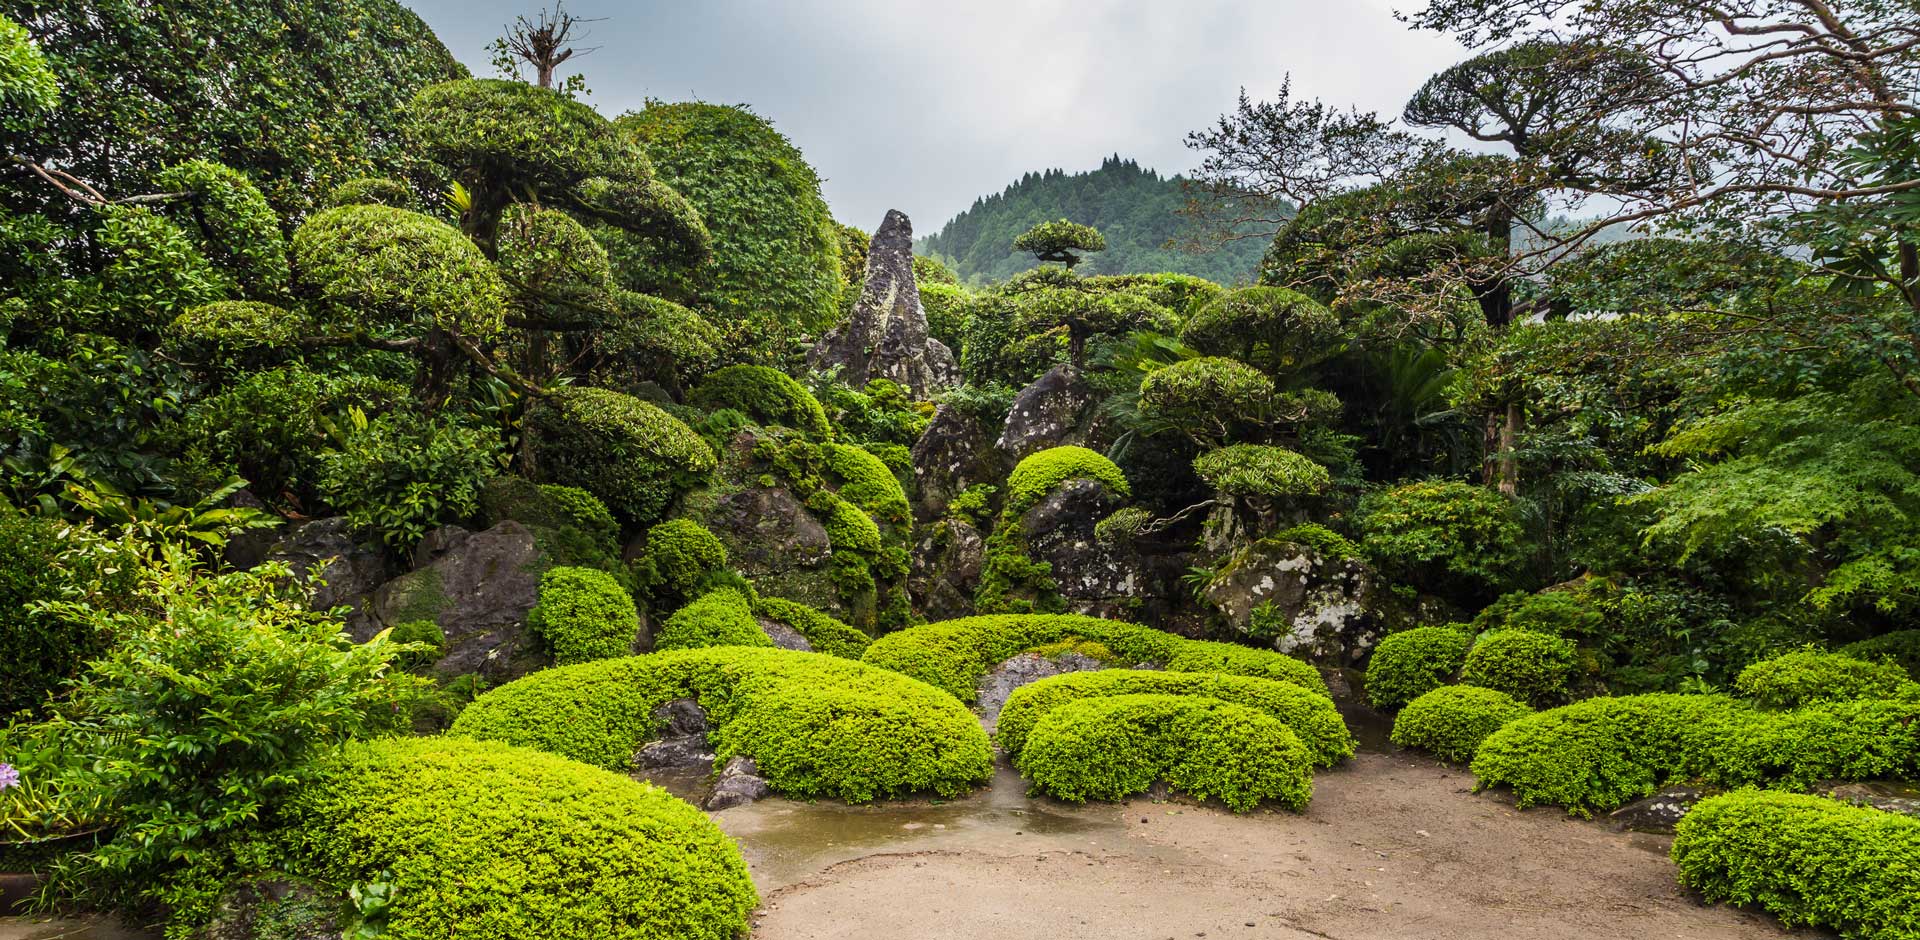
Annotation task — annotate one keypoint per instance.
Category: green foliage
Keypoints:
(386, 270)
(369, 191)
(681, 557)
(1233, 660)
(1602, 752)
(1450, 538)
(1808, 860)
(768, 395)
(1328, 543)
(882, 413)
(633, 456)
(1452, 720)
(40, 653)
(212, 331)
(425, 638)
(403, 474)
(775, 273)
(1041, 473)
(1061, 241)
(1900, 646)
(1808, 677)
(1560, 613)
(825, 634)
(584, 614)
(239, 232)
(500, 134)
(1110, 748)
(1261, 471)
(489, 841)
(28, 89)
(1532, 667)
(1411, 663)
(817, 725)
(867, 482)
(1309, 714)
(154, 271)
(558, 272)
(1276, 329)
(1119, 528)
(1137, 208)
(1209, 398)
(721, 617)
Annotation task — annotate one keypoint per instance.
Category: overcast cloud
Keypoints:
(924, 106)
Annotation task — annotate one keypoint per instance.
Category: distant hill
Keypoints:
(1136, 209)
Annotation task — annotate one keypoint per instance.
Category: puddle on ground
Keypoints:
(83, 928)
(1372, 729)
(688, 783)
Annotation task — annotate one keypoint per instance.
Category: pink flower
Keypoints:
(9, 777)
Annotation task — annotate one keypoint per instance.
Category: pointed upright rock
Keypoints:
(886, 337)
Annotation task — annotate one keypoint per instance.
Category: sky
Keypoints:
(925, 106)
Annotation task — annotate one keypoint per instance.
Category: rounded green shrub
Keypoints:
(38, 653)
(1532, 667)
(767, 395)
(239, 232)
(1411, 663)
(1041, 473)
(553, 263)
(1900, 646)
(230, 326)
(1277, 329)
(817, 725)
(1208, 394)
(369, 191)
(632, 455)
(1309, 714)
(1261, 471)
(867, 482)
(1455, 539)
(681, 556)
(1112, 747)
(584, 615)
(825, 634)
(512, 131)
(1808, 860)
(722, 617)
(377, 268)
(1452, 720)
(493, 842)
(1805, 677)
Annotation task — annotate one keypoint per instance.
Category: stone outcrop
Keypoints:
(1025, 669)
(478, 586)
(739, 783)
(1094, 578)
(954, 452)
(1324, 608)
(886, 336)
(682, 741)
(773, 540)
(1658, 813)
(1052, 411)
(947, 560)
(325, 550)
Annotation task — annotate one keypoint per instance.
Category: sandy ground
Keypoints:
(1392, 846)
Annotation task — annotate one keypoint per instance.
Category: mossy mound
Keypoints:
(493, 842)
(1310, 715)
(1111, 748)
(817, 725)
(1452, 720)
(1411, 663)
(1808, 677)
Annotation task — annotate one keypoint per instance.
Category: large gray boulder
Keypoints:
(773, 540)
(947, 560)
(1093, 577)
(1325, 608)
(478, 586)
(325, 554)
(886, 336)
(1052, 411)
(954, 452)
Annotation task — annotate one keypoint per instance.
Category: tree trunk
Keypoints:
(1509, 481)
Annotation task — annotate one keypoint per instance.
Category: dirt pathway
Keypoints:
(1392, 846)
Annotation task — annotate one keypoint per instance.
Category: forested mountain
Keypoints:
(1136, 209)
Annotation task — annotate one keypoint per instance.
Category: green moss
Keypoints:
(1328, 543)
(1411, 663)
(817, 725)
(681, 557)
(825, 634)
(1452, 720)
(1309, 714)
(1112, 747)
(1043, 472)
(1092, 649)
(867, 482)
(1532, 667)
(1807, 677)
(722, 617)
(417, 595)
(427, 634)
(768, 395)
(1261, 471)
(584, 614)
(632, 455)
(1807, 860)
(493, 842)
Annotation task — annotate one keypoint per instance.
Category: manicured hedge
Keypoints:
(825, 634)
(1901, 646)
(1603, 752)
(816, 724)
(722, 617)
(1310, 715)
(584, 614)
(1110, 748)
(954, 654)
(1411, 663)
(680, 557)
(1805, 677)
(491, 842)
(1532, 667)
(630, 454)
(1808, 860)
(1452, 720)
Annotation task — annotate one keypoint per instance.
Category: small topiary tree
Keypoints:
(1532, 667)
(1452, 720)
(681, 557)
(583, 614)
(635, 457)
(764, 394)
(1279, 330)
(1454, 539)
(722, 617)
(1411, 663)
(1208, 399)
(1061, 242)
(1809, 676)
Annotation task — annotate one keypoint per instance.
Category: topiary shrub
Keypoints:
(1900, 646)
(1041, 473)
(1454, 539)
(1411, 663)
(632, 455)
(1452, 720)
(369, 191)
(494, 842)
(1277, 329)
(817, 725)
(681, 557)
(1808, 860)
(584, 614)
(1532, 667)
(1603, 752)
(1806, 677)
(722, 617)
(1208, 397)
(1310, 715)
(768, 395)
(1261, 471)
(954, 654)
(825, 634)
(377, 268)
(867, 482)
(204, 333)
(1110, 748)
(238, 231)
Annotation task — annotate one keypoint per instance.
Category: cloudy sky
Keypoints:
(923, 106)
